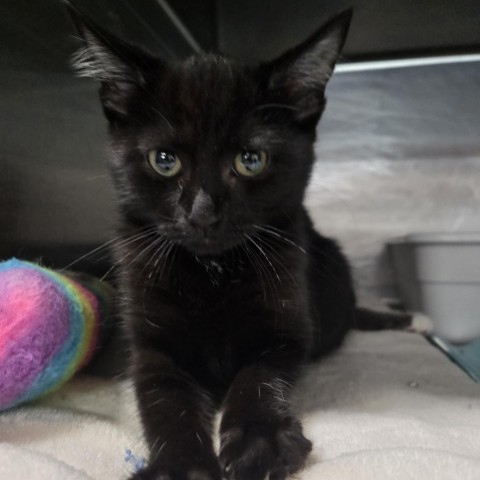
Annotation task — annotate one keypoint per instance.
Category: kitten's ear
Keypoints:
(119, 66)
(301, 74)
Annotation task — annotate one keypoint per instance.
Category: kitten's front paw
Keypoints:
(264, 450)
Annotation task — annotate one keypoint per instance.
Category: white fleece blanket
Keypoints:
(386, 406)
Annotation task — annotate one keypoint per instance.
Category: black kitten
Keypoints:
(226, 288)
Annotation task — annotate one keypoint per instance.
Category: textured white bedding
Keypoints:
(386, 406)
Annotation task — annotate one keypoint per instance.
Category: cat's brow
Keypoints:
(162, 116)
(270, 105)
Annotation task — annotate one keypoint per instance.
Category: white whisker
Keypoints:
(267, 229)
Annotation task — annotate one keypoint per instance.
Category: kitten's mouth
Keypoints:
(209, 244)
(206, 246)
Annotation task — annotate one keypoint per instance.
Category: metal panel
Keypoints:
(253, 30)
(398, 152)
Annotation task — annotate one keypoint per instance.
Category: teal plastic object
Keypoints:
(466, 356)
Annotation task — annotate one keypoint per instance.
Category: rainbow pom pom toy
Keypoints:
(49, 324)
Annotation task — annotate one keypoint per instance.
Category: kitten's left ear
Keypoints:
(301, 74)
(120, 67)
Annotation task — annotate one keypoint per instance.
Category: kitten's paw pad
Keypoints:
(266, 450)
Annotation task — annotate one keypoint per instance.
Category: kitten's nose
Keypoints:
(203, 213)
(203, 221)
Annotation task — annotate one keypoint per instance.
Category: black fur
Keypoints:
(226, 288)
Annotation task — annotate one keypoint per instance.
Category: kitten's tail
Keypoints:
(374, 320)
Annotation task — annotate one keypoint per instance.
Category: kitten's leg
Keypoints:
(177, 416)
(259, 436)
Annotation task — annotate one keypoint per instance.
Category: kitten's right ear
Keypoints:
(120, 67)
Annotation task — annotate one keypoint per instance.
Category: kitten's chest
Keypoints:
(212, 316)
(218, 303)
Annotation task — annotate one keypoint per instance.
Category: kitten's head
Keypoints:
(206, 149)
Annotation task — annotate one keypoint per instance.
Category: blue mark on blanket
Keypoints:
(138, 463)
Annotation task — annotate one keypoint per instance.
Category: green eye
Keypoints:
(164, 163)
(250, 162)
